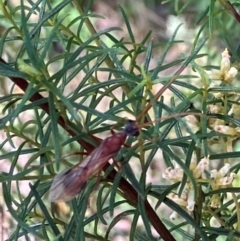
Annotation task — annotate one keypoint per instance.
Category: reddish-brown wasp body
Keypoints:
(67, 184)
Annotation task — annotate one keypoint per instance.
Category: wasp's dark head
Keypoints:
(131, 128)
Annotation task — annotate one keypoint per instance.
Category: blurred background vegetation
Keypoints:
(153, 25)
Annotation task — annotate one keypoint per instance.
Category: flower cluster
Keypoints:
(201, 171)
(218, 179)
(226, 75)
(222, 127)
(187, 198)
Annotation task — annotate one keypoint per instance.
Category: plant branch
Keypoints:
(129, 192)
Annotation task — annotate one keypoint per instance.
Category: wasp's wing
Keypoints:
(67, 184)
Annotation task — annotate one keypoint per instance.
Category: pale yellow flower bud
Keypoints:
(213, 141)
(202, 165)
(230, 75)
(174, 216)
(193, 164)
(191, 200)
(225, 63)
(180, 201)
(237, 129)
(214, 184)
(226, 72)
(220, 178)
(227, 130)
(214, 223)
(215, 200)
(224, 170)
(211, 121)
(233, 175)
(229, 142)
(218, 95)
(225, 181)
(214, 75)
(173, 175)
(185, 191)
(235, 110)
(219, 122)
(215, 109)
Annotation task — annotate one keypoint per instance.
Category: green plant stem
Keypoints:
(222, 138)
(148, 86)
(133, 59)
(199, 210)
(19, 134)
(237, 209)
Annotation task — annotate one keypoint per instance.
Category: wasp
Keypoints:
(69, 183)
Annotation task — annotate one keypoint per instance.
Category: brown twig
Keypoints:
(232, 10)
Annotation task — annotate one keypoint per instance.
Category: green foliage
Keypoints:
(64, 83)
